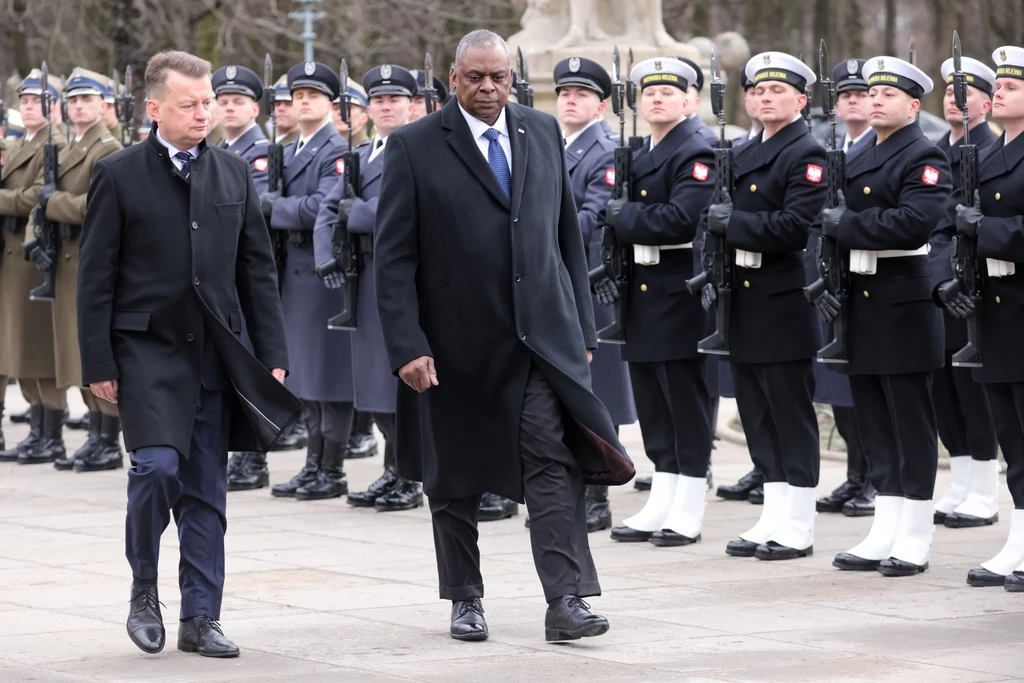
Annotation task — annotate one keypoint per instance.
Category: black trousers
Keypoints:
(553, 486)
(1007, 402)
(329, 419)
(846, 425)
(674, 409)
(386, 425)
(776, 405)
(896, 421)
(963, 412)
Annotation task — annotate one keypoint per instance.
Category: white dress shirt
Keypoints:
(477, 128)
(172, 150)
(850, 142)
(301, 142)
(379, 144)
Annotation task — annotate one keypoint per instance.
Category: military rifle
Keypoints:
(524, 93)
(616, 262)
(716, 257)
(47, 232)
(347, 249)
(635, 141)
(275, 166)
(964, 251)
(124, 106)
(833, 266)
(429, 92)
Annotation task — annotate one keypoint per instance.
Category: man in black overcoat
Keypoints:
(174, 252)
(485, 307)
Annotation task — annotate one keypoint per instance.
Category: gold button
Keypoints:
(643, 288)
(998, 300)
(643, 193)
(753, 188)
(746, 283)
(998, 196)
(867, 190)
(866, 293)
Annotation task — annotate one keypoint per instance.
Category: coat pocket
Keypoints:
(136, 321)
(229, 209)
(910, 289)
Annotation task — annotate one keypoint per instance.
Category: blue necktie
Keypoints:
(186, 161)
(498, 161)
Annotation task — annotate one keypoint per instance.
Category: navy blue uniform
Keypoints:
(252, 146)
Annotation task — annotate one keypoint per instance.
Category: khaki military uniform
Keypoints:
(26, 327)
(116, 131)
(67, 207)
(216, 136)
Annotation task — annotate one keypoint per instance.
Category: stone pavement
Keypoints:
(323, 592)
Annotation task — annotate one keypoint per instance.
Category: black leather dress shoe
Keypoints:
(494, 508)
(890, 566)
(203, 635)
(404, 495)
(570, 618)
(666, 538)
(863, 504)
(741, 489)
(145, 623)
(853, 563)
(756, 497)
(383, 484)
(625, 534)
(1015, 582)
(835, 501)
(775, 551)
(939, 517)
(741, 548)
(468, 621)
(981, 578)
(955, 520)
(642, 483)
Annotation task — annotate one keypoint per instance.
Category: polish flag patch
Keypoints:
(261, 164)
(814, 173)
(700, 171)
(930, 176)
(609, 177)
(339, 167)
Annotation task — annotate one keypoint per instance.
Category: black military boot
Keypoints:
(846, 491)
(361, 442)
(863, 504)
(51, 445)
(92, 442)
(314, 453)
(253, 473)
(35, 434)
(599, 512)
(379, 488)
(741, 489)
(292, 438)
(21, 418)
(108, 456)
(235, 463)
(404, 495)
(493, 508)
(330, 481)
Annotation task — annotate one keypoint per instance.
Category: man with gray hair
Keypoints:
(174, 251)
(487, 317)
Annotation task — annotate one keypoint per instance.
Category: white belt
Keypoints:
(865, 262)
(647, 255)
(997, 268)
(748, 259)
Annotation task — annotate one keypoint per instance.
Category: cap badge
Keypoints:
(881, 64)
(851, 66)
(231, 72)
(309, 69)
(767, 59)
(1002, 55)
(574, 64)
(657, 65)
(385, 72)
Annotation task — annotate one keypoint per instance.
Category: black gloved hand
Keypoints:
(606, 291)
(708, 296)
(830, 217)
(612, 210)
(719, 215)
(45, 192)
(344, 209)
(968, 218)
(267, 204)
(40, 258)
(828, 306)
(951, 295)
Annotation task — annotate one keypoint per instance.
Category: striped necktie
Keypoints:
(186, 163)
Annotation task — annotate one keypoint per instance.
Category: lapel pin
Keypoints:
(522, 131)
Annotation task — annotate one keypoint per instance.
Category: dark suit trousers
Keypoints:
(329, 419)
(963, 412)
(846, 425)
(1007, 402)
(674, 409)
(162, 481)
(896, 421)
(386, 424)
(776, 406)
(553, 486)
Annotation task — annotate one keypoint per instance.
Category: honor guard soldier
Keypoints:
(390, 89)
(961, 404)
(26, 346)
(855, 497)
(895, 197)
(583, 88)
(357, 103)
(672, 182)
(66, 206)
(287, 126)
(320, 360)
(994, 220)
(774, 335)
(239, 92)
(419, 102)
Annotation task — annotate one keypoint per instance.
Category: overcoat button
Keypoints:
(746, 283)
(998, 300)
(643, 288)
(866, 295)
(998, 196)
(867, 190)
(643, 193)
(195, 226)
(195, 281)
(190, 337)
(753, 188)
